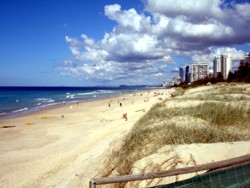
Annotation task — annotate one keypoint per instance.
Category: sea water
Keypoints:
(22, 100)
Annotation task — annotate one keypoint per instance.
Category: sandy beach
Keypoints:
(61, 147)
(66, 146)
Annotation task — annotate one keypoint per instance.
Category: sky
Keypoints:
(116, 42)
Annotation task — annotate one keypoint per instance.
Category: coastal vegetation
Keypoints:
(207, 114)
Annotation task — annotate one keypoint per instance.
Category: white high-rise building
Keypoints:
(199, 71)
(226, 65)
(222, 64)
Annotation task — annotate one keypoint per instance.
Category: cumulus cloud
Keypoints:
(208, 57)
(192, 9)
(141, 45)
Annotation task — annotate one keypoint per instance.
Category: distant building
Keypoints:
(246, 60)
(243, 72)
(176, 80)
(226, 62)
(199, 71)
(181, 74)
(166, 84)
(184, 74)
(187, 74)
(217, 66)
(222, 64)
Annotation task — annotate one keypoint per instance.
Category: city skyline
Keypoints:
(221, 68)
(115, 42)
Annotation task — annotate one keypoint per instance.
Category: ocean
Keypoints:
(15, 101)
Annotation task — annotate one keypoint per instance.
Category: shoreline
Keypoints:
(48, 109)
(38, 109)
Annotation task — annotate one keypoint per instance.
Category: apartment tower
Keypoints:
(222, 64)
(199, 71)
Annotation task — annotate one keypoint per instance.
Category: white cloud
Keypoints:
(237, 55)
(210, 29)
(88, 42)
(191, 8)
(140, 45)
(126, 19)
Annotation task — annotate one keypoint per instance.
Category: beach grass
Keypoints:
(219, 114)
(223, 122)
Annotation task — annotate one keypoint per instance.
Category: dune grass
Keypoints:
(220, 97)
(223, 93)
(215, 113)
(219, 114)
(145, 140)
(155, 130)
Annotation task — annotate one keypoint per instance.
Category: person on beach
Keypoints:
(125, 116)
(120, 104)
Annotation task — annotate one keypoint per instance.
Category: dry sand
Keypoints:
(45, 149)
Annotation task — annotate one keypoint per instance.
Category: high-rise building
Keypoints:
(226, 65)
(184, 74)
(181, 74)
(187, 74)
(222, 64)
(199, 71)
(217, 66)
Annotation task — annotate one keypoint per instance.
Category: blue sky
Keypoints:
(113, 42)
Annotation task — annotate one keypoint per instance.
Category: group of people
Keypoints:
(120, 103)
(125, 115)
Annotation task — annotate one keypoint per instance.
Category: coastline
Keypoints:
(45, 149)
(61, 97)
(40, 109)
